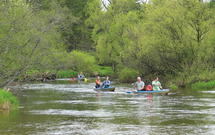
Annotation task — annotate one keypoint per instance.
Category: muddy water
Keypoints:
(72, 107)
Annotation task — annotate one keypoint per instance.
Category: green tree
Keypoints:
(28, 35)
(109, 23)
(175, 40)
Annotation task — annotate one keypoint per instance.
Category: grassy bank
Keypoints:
(103, 71)
(203, 85)
(66, 74)
(7, 100)
(99, 70)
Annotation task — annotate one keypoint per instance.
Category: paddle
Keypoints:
(129, 92)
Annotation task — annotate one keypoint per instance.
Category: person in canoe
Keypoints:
(156, 84)
(98, 82)
(139, 85)
(106, 83)
(149, 87)
(78, 76)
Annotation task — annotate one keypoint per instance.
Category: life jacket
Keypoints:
(149, 87)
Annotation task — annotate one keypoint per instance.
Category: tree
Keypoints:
(28, 35)
(175, 40)
(109, 24)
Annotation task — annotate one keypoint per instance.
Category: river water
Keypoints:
(72, 107)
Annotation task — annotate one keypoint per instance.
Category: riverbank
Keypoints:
(36, 75)
(7, 100)
(125, 76)
(203, 85)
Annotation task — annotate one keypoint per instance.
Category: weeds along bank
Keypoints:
(36, 75)
(7, 100)
(97, 71)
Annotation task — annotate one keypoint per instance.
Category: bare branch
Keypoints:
(104, 4)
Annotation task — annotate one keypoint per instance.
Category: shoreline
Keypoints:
(8, 101)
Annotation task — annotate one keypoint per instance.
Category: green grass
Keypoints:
(104, 70)
(8, 97)
(173, 86)
(66, 74)
(31, 72)
(203, 85)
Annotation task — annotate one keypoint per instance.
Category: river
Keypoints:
(72, 107)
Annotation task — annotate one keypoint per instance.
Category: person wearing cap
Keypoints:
(139, 85)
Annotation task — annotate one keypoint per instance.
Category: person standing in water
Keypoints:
(139, 85)
(106, 83)
(156, 84)
(98, 82)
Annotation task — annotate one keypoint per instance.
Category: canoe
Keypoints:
(164, 91)
(111, 88)
(81, 78)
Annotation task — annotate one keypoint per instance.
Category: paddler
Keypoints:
(98, 82)
(139, 85)
(156, 84)
(106, 83)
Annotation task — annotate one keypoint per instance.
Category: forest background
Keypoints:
(174, 40)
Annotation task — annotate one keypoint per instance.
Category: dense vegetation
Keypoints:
(7, 101)
(174, 39)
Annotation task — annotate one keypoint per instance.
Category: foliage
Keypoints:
(104, 70)
(82, 61)
(98, 70)
(172, 39)
(173, 86)
(203, 85)
(66, 74)
(29, 37)
(109, 26)
(128, 75)
(76, 35)
(163, 38)
(9, 98)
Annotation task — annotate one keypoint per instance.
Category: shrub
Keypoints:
(173, 86)
(104, 70)
(83, 62)
(128, 75)
(7, 100)
(203, 85)
(66, 74)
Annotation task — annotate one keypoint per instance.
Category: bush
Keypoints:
(203, 85)
(66, 74)
(7, 100)
(83, 62)
(173, 86)
(104, 70)
(128, 75)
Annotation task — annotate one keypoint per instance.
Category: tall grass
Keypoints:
(203, 85)
(104, 70)
(9, 99)
(66, 74)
